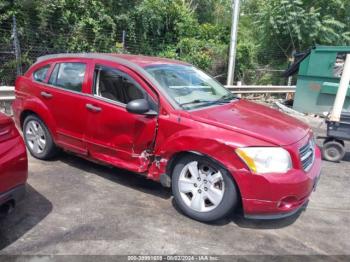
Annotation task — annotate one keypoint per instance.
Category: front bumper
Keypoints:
(279, 196)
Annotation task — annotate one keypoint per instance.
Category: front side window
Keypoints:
(115, 85)
(40, 74)
(69, 76)
(189, 87)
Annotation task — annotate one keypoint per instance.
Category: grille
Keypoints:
(307, 155)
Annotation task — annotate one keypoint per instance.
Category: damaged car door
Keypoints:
(115, 135)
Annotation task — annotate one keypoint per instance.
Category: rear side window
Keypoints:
(69, 76)
(40, 74)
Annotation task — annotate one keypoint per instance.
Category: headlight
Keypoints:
(262, 160)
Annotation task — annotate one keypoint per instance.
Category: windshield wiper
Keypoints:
(197, 101)
(227, 98)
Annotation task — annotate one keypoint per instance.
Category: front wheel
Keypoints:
(202, 189)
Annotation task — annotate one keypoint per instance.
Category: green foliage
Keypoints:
(197, 31)
(296, 24)
(275, 29)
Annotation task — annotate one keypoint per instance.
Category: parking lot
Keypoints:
(77, 207)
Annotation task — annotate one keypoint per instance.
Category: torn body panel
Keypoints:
(145, 159)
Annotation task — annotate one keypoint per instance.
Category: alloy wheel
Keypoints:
(201, 186)
(35, 137)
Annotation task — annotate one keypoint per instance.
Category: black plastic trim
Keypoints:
(277, 216)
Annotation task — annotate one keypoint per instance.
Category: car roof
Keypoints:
(145, 61)
(140, 60)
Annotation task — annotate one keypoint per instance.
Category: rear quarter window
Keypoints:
(68, 76)
(40, 74)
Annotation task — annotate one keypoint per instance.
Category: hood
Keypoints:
(254, 120)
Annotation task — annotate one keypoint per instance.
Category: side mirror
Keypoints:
(140, 107)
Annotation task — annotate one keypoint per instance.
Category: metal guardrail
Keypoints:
(259, 89)
(7, 92)
(7, 95)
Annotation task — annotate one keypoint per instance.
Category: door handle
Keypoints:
(93, 108)
(46, 94)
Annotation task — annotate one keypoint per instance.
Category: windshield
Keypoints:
(189, 87)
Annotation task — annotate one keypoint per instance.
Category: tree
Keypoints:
(297, 25)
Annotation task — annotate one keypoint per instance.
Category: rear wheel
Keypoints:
(202, 189)
(38, 138)
(333, 151)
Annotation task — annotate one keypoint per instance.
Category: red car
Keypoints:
(13, 165)
(173, 123)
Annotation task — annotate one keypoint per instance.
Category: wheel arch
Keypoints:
(43, 117)
(24, 115)
(329, 139)
(176, 156)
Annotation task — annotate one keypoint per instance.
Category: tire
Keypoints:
(38, 138)
(209, 199)
(333, 151)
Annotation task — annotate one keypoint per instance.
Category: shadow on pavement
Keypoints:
(28, 213)
(116, 175)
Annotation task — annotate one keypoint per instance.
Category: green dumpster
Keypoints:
(319, 75)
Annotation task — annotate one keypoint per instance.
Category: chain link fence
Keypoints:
(20, 49)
